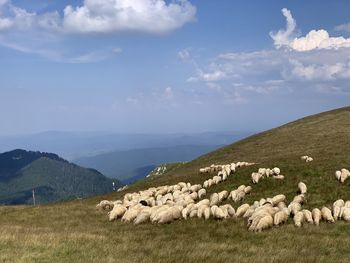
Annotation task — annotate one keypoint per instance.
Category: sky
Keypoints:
(155, 66)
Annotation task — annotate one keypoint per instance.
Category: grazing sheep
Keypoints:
(249, 212)
(347, 204)
(308, 216)
(202, 192)
(230, 210)
(214, 199)
(248, 189)
(142, 217)
(298, 219)
(278, 177)
(241, 188)
(207, 213)
(302, 188)
(309, 159)
(239, 197)
(276, 171)
(346, 214)
(299, 199)
(327, 215)
(281, 217)
(223, 195)
(264, 223)
(242, 209)
(105, 205)
(337, 205)
(117, 212)
(316, 215)
(294, 207)
(338, 175)
(278, 198)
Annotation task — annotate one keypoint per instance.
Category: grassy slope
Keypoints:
(75, 232)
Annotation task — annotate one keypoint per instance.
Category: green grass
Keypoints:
(76, 232)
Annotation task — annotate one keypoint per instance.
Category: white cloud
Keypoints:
(315, 39)
(151, 16)
(104, 16)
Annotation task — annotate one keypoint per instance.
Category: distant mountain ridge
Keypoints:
(52, 178)
(74, 145)
(132, 165)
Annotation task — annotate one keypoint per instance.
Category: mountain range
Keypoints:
(51, 177)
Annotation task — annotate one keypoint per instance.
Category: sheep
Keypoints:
(142, 217)
(200, 211)
(241, 188)
(309, 159)
(338, 175)
(344, 175)
(117, 211)
(337, 205)
(281, 217)
(130, 214)
(214, 199)
(307, 216)
(264, 223)
(276, 171)
(327, 215)
(347, 204)
(255, 177)
(207, 213)
(346, 213)
(247, 189)
(239, 197)
(202, 192)
(242, 209)
(105, 205)
(223, 195)
(294, 207)
(278, 198)
(316, 215)
(230, 210)
(304, 157)
(298, 219)
(278, 177)
(249, 212)
(302, 188)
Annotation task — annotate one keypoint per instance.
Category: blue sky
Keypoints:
(170, 66)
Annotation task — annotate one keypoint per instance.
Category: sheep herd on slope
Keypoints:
(165, 204)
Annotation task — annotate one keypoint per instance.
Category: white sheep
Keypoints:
(316, 216)
(105, 205)
(298, 219)
(202, 192)
(278, 198)
(327, 214)
(247, 189)
(302, 188)
(117, 212)
(242, 209)
(308, 216)
(281, 217)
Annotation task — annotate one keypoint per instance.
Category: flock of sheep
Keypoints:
(165, 204)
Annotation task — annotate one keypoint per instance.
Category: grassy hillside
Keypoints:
(76, 232)
(52, 178)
